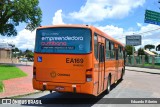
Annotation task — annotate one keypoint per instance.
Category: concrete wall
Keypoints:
(9, 60)
(5, 54)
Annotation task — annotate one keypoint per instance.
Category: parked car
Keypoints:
(23, 59)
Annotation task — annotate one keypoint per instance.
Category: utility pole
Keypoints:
(133, 53)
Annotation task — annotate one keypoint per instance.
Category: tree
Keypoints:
(129, 49)
(15, 50)
(29, 54)
(141, 51)
(158, 48)
(149, 46)
(13, 12)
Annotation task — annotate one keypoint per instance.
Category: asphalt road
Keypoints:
(134, 85)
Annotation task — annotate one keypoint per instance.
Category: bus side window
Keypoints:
(120, 52)
(101, 53)
(107, 49)
(112, 51)
(95, 46)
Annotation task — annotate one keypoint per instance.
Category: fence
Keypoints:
(143, 60)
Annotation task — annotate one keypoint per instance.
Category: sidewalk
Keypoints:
(146, 70)
(19, 86)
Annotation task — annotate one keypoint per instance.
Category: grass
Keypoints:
(8, 72)
(150, 65)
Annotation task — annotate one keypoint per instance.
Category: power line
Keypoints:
(142, 32)
(149, 31)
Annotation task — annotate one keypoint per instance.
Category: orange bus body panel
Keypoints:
(56, 72)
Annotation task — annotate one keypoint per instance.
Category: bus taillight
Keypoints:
(34, 72)
(89, 75)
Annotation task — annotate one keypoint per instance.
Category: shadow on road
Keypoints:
(67, 99)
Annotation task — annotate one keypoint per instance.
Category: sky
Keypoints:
(117, 18)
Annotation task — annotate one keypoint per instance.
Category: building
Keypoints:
(149, 53)
(5, 50)
(6, 53)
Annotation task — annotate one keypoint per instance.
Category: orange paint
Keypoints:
(82, 70)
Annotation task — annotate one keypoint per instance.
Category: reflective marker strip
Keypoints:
(73, 85)
(44, 83)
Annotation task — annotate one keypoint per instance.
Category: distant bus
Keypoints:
(76, 58)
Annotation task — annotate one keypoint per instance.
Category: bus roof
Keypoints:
(84, 26)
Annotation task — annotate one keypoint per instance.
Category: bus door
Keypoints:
(101, 67)
(117, 66)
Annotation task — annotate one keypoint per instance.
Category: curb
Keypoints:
(144, 71)
(143, 67)
(21, 95)
(17, 96)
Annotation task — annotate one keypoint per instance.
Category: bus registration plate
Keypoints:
(59, 88)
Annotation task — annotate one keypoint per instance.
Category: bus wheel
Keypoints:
(108, 84)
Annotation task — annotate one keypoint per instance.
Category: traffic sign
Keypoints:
(152, 17)
(152, 22)
(133, 40)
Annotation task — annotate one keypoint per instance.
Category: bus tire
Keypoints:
(109, 84)
(122, 75)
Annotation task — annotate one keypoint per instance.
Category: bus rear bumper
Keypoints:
(86, 88)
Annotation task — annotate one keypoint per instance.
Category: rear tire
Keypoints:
(109, 84)
(122, 75)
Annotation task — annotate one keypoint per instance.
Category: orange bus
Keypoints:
(76, 58)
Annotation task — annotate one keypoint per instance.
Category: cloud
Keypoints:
(112, 30)
(139, 24)
(150, 33)
(24, 40)
(151, 37)
(57, 19)
(98, 10)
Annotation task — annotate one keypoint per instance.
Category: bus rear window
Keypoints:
(63, 40)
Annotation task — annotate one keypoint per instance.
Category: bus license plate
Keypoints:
(59, 88)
